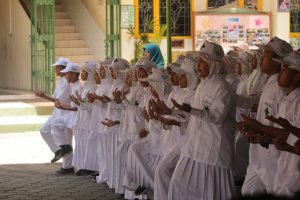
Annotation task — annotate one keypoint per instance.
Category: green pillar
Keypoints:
(169, 36)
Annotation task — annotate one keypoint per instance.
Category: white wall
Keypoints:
(15, 51)
(86, 25)
(280, 20)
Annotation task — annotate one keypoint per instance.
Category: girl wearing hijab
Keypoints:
(188, 82)
(113, 114)
(143, 157)
(152, 52)
(205, 167)
(83, 115)
(130, 123)
(231, 76)
(97, 114)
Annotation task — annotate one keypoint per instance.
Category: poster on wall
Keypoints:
(227, 30)
(250, 4)
(283, 5)
(218, 3)
(127, 16)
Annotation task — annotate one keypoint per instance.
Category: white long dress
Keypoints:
(205, 167)
(113, 112)
(143, 157)
(96, 129)
(131, 122)
(81, 127)
(176, 137)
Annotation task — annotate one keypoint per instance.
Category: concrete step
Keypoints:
(71, 51)
(69, 43)
(61, 15)
(81, 58)
(65, 29)
(62, 22)
(67, 36)
(10, 109)
(21, 124)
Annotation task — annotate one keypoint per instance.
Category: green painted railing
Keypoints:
(112, 40)
(43, 45)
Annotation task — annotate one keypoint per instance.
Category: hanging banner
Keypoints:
(127, 16)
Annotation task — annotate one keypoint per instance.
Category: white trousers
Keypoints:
(253, 184)
(63, 136)
(47, 135)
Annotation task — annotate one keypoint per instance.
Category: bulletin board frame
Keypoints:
(226, 15)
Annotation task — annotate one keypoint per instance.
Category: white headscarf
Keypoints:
(90, 67)
(257, 79)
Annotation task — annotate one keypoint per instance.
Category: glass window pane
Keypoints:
(180, 16)
(146, 16)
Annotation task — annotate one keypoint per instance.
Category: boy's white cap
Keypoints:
(156, 76)
(72, 67)
(280, 47)
(212, 51)
(61, 61)
(292, 60)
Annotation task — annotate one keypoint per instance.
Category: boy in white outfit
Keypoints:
(62, 130)
(61, 93)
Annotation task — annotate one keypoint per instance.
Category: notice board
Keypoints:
(228, 29)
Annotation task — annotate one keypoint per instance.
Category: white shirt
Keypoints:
(288, 174)
(210, 132)
(262, 159)
(62, 93)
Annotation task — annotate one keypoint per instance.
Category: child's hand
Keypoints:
(39, 93)
(184, 107)
(106, 98)
(280, 144)
(110, 123)
(161, 108)
(154, 93)
(250, 123)
(146, 115)
(117, 94)
(280, 121)
(91, 97)
(143, 133)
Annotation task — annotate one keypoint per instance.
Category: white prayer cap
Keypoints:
(245, 58)
(120, 64)
(72, 67)
(90, 66)
(244, 47)
(106, 61)
(175, 66)
(61, 61)
(292, 60)
(211, 51)
(280, 47)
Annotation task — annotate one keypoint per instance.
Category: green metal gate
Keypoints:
(112, 40)
(43, 45)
